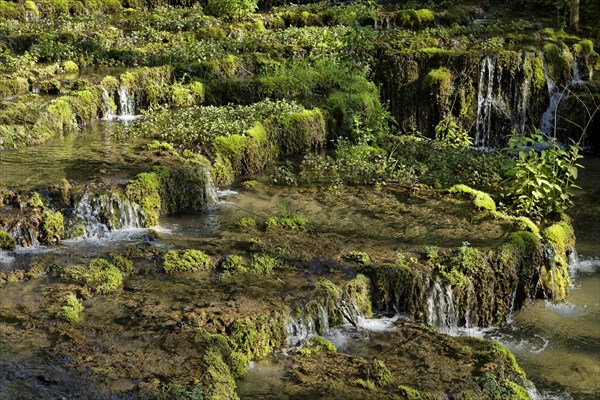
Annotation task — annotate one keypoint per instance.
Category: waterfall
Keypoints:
(126, 103)
(522, 99)
(314, 319)
(107, 105)
(547, 123)
(307, 324)
(441, 312)
(105, 213)
(489, 76)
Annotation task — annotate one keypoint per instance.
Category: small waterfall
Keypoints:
(105, 213)
(488, 77)
(126, 103)
(314, 319)
(548, 118)
(25, 234)
(107, 105)
(522, 98)
(441, 312)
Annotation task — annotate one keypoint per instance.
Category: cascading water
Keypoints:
(126, 104)
(441, 312)
(485, 98)
(547, 123)
(107, 105)
(102, 214)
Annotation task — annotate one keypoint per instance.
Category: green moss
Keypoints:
(358, 257)
(110, 83)
(123, 264)
(481, 200)
(559, 63)
(197, 90)
(186, 260)
(409, 393)
(301, 132)
(144, 190)
(71, 309)
(53, 226)
(257, 337)
(425, 16)
(181, 96)
(380, 373)
(218, 379)
(223, 172)
(99, 276)
(365, 384)
(247, 222)
(358, 291)
(408, 19)
(7, 242)
(316, 345)
(233, 264)
(69, 67)
(35, 201)
(263, 264)
(232, 148)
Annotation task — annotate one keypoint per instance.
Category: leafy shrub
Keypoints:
(539, 182)
(233, 9)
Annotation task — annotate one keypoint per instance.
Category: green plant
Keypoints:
(316, 345)
(99, 276)
(381, 373)
(286, 219)
(539, 182)
(233, 264)
(71, 309)
(186, 260)
(449, 134)
(7, 242)
(233, 9)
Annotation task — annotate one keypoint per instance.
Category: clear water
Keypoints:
(95, 153)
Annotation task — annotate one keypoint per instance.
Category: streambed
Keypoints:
(557, 344)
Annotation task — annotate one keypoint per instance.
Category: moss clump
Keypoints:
(409, 393)
(358, 257)
(124, 264)
(53, 226)
(7, 242)
(71, 309)
(381, 374)
(233, 264)
(186, 260)
(301, 132)
(69, 67)
(481, 200)
(144, 190)
(232, 148)
(257, 337)
(365, 384)
(247, 222)
(358, 291)
(263, 264)
(555, 275)
(316, 345)
(439, 83)
(287, 220)
(98, 276)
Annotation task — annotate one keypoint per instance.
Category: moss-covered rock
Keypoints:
(99, 276)
(186, 260)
